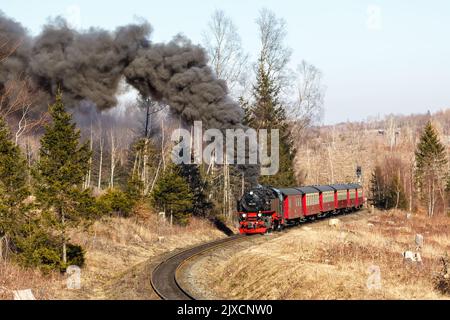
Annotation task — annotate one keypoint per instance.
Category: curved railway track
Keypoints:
(164, 276)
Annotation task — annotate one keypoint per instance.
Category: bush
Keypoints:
(134, 189)
(37, 248)
(115, 201)
(442, 279)
(75, 255)
(87, 206)
(46, 258)
(173, 195)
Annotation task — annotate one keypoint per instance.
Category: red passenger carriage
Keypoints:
(266, 208)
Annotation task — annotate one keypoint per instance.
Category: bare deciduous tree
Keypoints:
(224, 47)
(100, 163)
(16, 103)
(87, 180)
(114, 156)
(7, 47)
(274, 54)
(308, 108)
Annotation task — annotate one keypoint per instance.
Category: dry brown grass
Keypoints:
(13, 277)
(114, 246)
(319, 262)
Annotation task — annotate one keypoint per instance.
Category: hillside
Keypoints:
(316, 261)
(115, 247)
(330, 154)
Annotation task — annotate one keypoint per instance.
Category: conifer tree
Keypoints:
(268, 113)
(431, 172)
(173, 195)
(59, 173)
(201, 206)
(13, 184)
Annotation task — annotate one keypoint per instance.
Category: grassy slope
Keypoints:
(320, 262)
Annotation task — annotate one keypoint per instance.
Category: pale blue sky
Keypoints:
(377, 57)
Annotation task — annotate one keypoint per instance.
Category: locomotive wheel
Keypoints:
(276, 225)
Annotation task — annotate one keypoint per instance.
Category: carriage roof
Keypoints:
(323, 188)
(340, 186)
(290, 191)
(354, 186)
(307, 189)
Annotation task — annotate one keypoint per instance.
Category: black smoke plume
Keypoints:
(89, 65)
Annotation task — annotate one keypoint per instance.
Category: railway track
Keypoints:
(164, 276)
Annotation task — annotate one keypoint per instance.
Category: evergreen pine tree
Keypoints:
(201, 206)
(13, 185)
(268, 113)
(173, 195)
(31, 244)
(431, 168)
(59, 173)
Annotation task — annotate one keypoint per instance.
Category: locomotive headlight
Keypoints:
(260, 215)
(244, 215)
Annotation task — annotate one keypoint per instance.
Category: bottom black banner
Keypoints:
(263, 309)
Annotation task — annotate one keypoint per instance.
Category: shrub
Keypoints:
(87, 206)
(173, 195)
(37, 248)
(115, 201)
(46, 258)
(75, 255)
(442, 279)
(134, 189)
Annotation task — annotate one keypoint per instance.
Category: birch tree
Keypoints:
(223, 45)
(113, 156)
(272, 34)
(308, 107)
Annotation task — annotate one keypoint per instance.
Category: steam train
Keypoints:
(264, 208)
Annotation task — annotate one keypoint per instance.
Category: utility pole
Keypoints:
(147, 103)
(358, 173)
